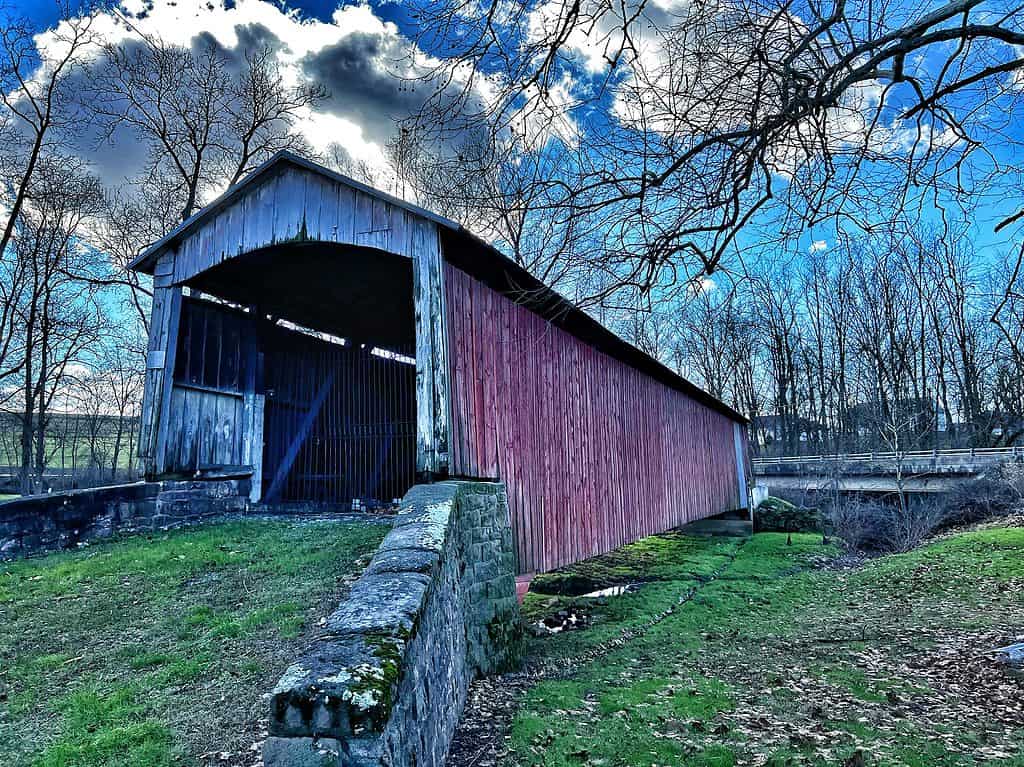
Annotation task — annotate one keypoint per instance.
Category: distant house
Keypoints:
(769, 430)
(337, 344)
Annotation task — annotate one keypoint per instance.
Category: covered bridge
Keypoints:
(338, 344)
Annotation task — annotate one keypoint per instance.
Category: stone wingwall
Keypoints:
(56, 521)
(385, 681)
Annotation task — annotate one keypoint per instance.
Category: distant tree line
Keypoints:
(886, 344)
(73, 319)
(81, 449)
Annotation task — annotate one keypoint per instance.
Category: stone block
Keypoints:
(340, 688)
(303, 752)
(435, 607)
(385, 603)
(402, 559)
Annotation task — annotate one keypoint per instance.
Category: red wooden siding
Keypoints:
(594, 453)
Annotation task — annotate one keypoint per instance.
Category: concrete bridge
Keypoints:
(928, 471)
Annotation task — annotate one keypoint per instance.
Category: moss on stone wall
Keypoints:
(435, 608)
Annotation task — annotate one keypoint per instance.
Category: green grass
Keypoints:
(77, 447)
(151, 651)
(7, 497)
(778, 661)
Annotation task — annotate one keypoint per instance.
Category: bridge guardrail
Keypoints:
(892, 456)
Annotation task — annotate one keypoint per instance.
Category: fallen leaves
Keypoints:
(859, 669)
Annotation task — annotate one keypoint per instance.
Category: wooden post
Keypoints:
(253, 402)
(163, 343)
(432, 387)
(741, 469)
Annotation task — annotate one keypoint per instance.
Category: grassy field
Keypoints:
(759, 653)
(151, 652)
(76, 441)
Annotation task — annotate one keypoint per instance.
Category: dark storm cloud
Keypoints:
(357, 73)
(121, 156)
(252, 38)
(114, 158)
(256, 37)
(112, 155)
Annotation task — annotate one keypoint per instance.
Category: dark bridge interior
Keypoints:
(360, 294)
(322, 337)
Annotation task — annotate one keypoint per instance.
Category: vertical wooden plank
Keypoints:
(253, 402)
(455, 370)
(476, 324)
(457, 340)
(552, 514)
(315, 191)
(264, 214)
(490, 394)
(381, 212)
(217, 246)
(363, 216)
(580, 532)
(232, 243)
(516, 420)
(510, 468)
(346, 214)
(398, 234)
(514, 460)
(440, 342)
(460, 308)
(286, 193)
(531, 349)
(163, 343)
(574, 532)
(432, 387)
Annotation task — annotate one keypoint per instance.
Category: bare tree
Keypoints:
(107, 398)
(37, 116)
(1007, 316)
(714, 330)
(778, 314)
(682, 125)
(36, 99)
(57, 313)
(206, 119)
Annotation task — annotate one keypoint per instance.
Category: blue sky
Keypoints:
(361, 110)
(45, 11)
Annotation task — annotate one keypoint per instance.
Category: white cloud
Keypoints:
(366, 99)
(817, 246)
(547, 115)
(322, 129)
(597, 36)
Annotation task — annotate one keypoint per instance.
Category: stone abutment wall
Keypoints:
(385, 681)
(41, 523)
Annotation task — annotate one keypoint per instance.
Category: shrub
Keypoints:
(780, 516)
(889, 525)
(854, 520)
(886, 526)
(998, 493)
(905, 526)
